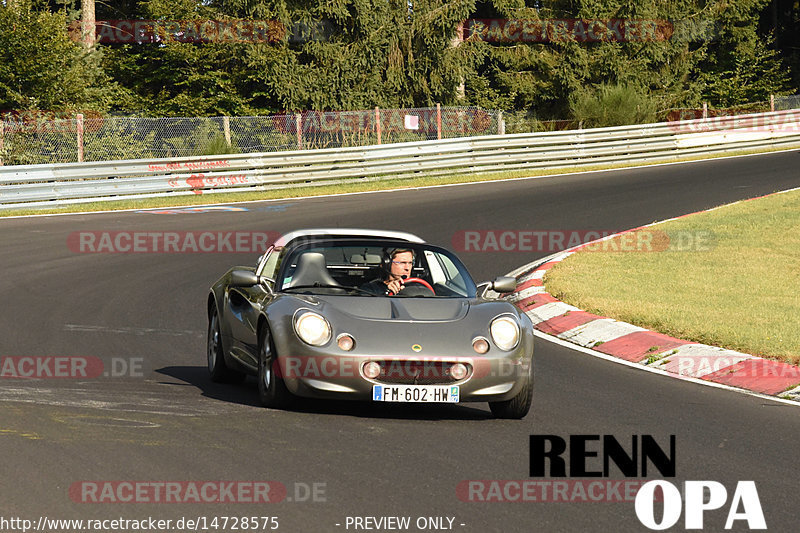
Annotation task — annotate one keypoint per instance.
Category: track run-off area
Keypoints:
(145, 412)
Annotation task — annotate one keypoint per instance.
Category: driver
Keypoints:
(400, 262)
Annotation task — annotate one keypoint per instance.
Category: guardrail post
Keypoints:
(299, 121)
(2, 128)
(79, 127)
(378, 123)
(439, 121)
(226, 129)
(772, 102)
(501, 124)
(705, 110)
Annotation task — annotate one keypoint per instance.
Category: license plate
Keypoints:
(416, 393)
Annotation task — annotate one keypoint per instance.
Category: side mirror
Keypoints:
(243, 278)
(504, 284)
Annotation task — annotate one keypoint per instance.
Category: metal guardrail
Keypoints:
(37, 186)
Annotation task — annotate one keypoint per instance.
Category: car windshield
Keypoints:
(358, 268)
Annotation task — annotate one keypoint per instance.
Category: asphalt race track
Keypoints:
(169, 423)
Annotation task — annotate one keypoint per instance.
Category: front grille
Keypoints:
(409, 372)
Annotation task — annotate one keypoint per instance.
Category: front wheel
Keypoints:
(518, 406)
(217, 368)
(272, 390)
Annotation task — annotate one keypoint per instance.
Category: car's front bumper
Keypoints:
(342, 376)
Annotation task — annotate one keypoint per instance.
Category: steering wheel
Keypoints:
(421, 282)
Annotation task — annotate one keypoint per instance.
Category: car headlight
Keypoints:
(505, 332)
(312, 328)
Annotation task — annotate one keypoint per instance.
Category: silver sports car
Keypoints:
(369, 315)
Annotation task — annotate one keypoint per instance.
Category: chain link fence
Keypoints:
(31, 138)
(528, 122)
(37, 137)
(785, 103)
(777, 103)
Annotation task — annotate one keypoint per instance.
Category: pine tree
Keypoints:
(42, 68)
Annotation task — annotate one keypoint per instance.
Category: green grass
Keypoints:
(740, 289)
(349, 186)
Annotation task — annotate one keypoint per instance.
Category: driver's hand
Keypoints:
(395, 285)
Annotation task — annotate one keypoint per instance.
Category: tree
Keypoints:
(542, 76)
(741, 66)
(356, 54)
(781, 18)
(612, 105)
(42, 68)
(348, 54)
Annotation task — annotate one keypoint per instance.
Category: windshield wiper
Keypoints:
(328, 286)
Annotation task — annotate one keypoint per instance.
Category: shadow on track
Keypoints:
(247, 394)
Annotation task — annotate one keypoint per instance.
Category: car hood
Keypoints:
(399, 309)
(393, 326)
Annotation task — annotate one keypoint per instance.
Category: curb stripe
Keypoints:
(550, 310)
(639, 345)
(529, 283)
(677, 357)
(535, 301)
(599, 332)
(539, 271)
(525, 293)
(698, 360)
(566, 322)
(760, 375)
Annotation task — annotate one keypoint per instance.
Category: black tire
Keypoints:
(219, 371)
(518, 406)
(272, 389)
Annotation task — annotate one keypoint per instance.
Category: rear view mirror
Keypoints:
(504, 284)
(243, 278)
(500, 284)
